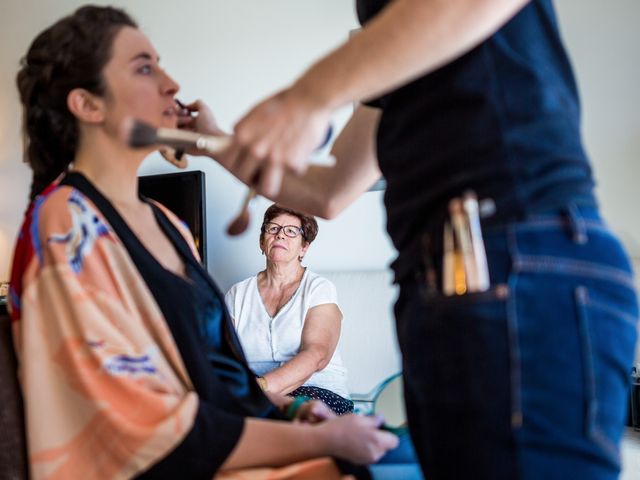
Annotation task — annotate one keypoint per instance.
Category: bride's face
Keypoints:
(137, 86)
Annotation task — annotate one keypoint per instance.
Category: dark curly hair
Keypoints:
(69, 54)
(308, 223)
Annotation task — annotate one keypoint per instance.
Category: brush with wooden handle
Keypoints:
(241, 222)
(140, 135)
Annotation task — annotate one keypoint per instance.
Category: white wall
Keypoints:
(231, 52)
(604, 41)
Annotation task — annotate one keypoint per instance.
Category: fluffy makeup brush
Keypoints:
(241, 222)
(139, 134)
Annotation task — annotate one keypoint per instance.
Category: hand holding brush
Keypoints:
(140, 135)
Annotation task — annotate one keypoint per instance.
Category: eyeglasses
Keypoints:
(289, 230)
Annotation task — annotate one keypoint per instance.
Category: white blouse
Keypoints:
(269, 342)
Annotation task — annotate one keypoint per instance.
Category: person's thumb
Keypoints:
(320, 411)
(389, 440)
(375, 420)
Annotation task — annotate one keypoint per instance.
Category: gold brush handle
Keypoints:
(183, 139)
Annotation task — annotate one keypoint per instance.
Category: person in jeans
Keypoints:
(529, 378)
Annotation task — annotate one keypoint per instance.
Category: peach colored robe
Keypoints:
(105, 390)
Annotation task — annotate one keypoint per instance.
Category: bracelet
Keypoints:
(294, 406)
(262, 382)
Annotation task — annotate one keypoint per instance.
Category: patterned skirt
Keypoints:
(335, 402)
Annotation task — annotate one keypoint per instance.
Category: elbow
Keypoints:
(331, 208)
(321, 205)
(317, 358)
(325, 213)
(323, 364)
(327, 203)
(323, 357)
(330, 212)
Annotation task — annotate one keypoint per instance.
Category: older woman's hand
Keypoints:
(313, 411)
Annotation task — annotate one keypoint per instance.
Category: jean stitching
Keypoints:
(600, 437)
(581, 297)
(543, 223)
(593, 430)
(566, 266)
(578, 225)
(621, 315)
(560, 223)
(514, 348)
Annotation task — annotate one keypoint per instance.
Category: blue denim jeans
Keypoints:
(400, 463)
(528, 380)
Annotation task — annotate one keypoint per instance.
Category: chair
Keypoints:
(13, 449)
(387, 397)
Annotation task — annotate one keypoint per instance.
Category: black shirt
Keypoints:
(195, 312)
(208, 346)
(503, 120)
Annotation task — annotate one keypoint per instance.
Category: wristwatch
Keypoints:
(262, 382)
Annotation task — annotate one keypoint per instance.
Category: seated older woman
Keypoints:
(287, 317)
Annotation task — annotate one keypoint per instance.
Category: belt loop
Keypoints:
(577, 225)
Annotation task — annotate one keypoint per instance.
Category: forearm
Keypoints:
(287, 443)
(318, 192)
(296, 371)
(325, 191)
(308, 193)
(407, 39)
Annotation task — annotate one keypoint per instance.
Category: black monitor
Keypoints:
(184, 194)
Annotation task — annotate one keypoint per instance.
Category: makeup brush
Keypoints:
(179, 154)
(241, 222)
(140, 134)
